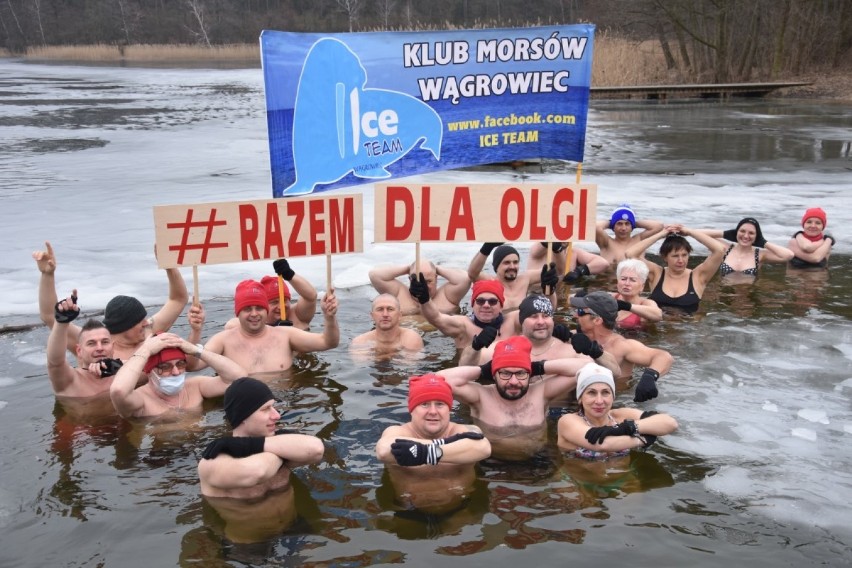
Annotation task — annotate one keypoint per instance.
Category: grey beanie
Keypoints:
(500, 253)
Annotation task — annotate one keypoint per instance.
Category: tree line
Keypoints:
(707, 40)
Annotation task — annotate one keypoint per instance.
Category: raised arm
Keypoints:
(449, 325)
(46, 263)
(457, 283)
(775, 253)
(384, 278)
(710, 265)
(329, 338)
(637, 249)
(164, 319)
(305, 307)
(602, 238)
(60, 372)
(648, 226)
(477, 263)
(462, 380)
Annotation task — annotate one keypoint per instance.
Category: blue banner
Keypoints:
(345, 109)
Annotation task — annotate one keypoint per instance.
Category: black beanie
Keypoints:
(122, 313)
(243, 397)
(500, 253)
(532, 305)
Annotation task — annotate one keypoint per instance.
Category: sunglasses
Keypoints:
(584, 312)
(506, 375)
(164, 368)
(489, 301)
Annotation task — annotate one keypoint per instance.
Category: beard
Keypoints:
(502, 392)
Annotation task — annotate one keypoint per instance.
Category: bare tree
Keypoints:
(37, 9)
(351, 7)
(196, 9)
(385, 9)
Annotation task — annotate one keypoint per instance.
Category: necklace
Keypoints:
(548, 346)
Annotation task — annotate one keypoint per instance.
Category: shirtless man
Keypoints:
(389, 337)
(125, 317)
(246, 476)
(257, 347)
(446, 297)
(163, 358)
(512, 411)
(486, 321)
(298, 315)
(622, 222)
(596, 314)
(506, 263)
(431, 460)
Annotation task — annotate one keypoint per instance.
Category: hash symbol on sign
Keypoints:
(187, 227)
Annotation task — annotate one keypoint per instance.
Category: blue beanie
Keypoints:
(622, 213)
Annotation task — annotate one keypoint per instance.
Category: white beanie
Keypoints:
(593, 373)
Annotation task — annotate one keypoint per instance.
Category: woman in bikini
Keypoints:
(634, 311)
(811, 246)
(749, 249)
(597, 430)
(675, 285)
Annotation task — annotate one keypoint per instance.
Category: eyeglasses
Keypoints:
(489, 301)
(584, 312)
(506, 375)
(164, 368)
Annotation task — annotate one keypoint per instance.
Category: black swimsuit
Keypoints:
(687, 302)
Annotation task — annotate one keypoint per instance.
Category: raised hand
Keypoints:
(647, 387)
(282, 268)
(418, 288)
(67, 310)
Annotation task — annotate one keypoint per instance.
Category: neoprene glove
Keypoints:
(537, 368)
(282, 323)
(461, 436)
(555, 246)
(585, 346)
(649, 438)
(597, 434)
(549, 279)
(759, 241)
(109, 367)
(486, 248)
(485, 372)
(66, 316)
(580, 271)
(410, 453)
(234, 446)
(282, 267)
(484, 338)
(647, 387)
(562, 333)
(626, 306)
(419, 289)
(730, 235)
(826, 236)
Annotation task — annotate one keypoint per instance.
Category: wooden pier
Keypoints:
(704, 91)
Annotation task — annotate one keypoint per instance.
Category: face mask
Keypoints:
(171, 384)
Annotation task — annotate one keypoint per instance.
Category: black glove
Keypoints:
(730, 235)
(280, 431)
(282, 323)
(555, 246)
(759, 241)
(484, 338)
(419, 289)
(578, 272)
(585, 346)
(109, 367)
(549, 279)
(462, 436)
(622, 305)
(826, 236)
(599, 433)
(485, 372)
(647, 387)
(410, 453)
(649, 438)
(647, 414)
(66, 316)
(537, 368)
(486, 248)
(282, 267)
(562, 333)
(235, 446)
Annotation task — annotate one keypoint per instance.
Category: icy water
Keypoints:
(758, 473)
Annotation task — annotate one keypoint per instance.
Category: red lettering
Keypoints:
(512, 231)
(296, 210)
(402, 195)
(562, 231)
(273, 233)
(537, 232)
(584, 197)
(461, 215)
(316, 224)
(248, 232)
(342, 226)
(427, 232)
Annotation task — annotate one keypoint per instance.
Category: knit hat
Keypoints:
(122, 313)
(622, 213)
(167, 354)
(427, 388)
(249, 293)
(502, 252)
(592, 373)
(270, 284)
(602, 303)
(243, 397)
(532, 305)
(491, 286)
(512, 352)
(815, 212)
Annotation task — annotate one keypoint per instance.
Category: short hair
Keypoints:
(634, 264)
(385, 295)
(92, 325)
(673, 243)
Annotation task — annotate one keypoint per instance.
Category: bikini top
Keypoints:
(594, 454)
(726, 269)
(687, 302)
(632, 321)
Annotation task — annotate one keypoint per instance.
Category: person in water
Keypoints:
(634, 311)
(674, 285)
(599, 431)
(622, 222)
(812, 245)
(749, 249)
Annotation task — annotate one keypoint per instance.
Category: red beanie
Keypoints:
(270, 284)
(167, 354)
(492, 286)
(427, 388)
(249, 293)
(512, 352)
(815, 212)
